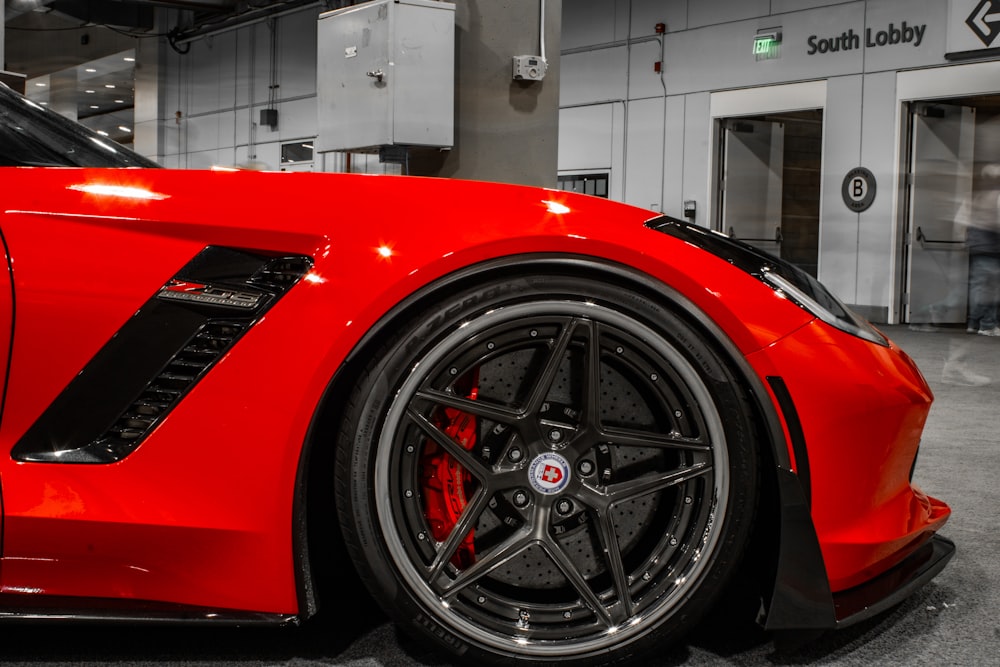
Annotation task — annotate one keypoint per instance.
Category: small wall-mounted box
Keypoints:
(386, 75)
(529, 68)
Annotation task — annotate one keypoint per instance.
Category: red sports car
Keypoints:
(546, 427)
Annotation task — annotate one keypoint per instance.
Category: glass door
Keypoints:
(769, 183)
(940, 183)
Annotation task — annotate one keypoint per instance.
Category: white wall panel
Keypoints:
(593, 76)
(921, 40)
(644, 154)
(698, 156)
(877, 224)
(589, 22)
(647, 13)
(204, 66)
(297, 118)
(643, 79)
(721, 57)
(202, 133)
(673, 159)
(201, 160)
(782, 6)
(838, 230)
(723, 11)
(585, 137)
(297, 56)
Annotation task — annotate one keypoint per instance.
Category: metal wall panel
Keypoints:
(721, 56)
(782, 6)
(643, 79)
(644, 154)
(876, 243)
(838, 230)
(698, 152)
(594, 76)
(585, 138)
(673, 158)
(296, 55)
(588, 22)
(647, 13)
(723, 11)
(916, 47)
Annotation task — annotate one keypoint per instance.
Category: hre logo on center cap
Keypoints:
(549, 473)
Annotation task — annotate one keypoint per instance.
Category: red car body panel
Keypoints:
(201, 513)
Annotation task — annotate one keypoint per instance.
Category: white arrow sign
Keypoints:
(982, 20)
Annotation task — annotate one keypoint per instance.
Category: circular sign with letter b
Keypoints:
(858, 189)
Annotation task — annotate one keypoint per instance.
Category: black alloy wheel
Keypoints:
(548, 468)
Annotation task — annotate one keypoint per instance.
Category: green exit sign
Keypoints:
(767, 45)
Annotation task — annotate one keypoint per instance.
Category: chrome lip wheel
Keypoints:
(551, 478)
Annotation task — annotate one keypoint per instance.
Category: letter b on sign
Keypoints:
(858, 189)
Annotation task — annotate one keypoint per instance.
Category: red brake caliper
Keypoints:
(446, 484)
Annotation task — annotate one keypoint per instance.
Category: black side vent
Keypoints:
(166, 390)
(281, 272)
(160, 354)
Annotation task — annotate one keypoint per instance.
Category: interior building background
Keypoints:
(849, 137)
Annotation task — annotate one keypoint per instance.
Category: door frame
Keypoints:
(757, 101)
(925, 85)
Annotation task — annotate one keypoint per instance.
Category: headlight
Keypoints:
(784, 278)
(824, 305)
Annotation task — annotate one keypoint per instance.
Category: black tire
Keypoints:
(549, 469)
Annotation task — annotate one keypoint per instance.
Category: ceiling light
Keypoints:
(124, 129)
(102, 133)
(119, 101)
(90, 69)
(129, 59)
(94, 106)
(39, 84)
(109, 85)
(89, 91)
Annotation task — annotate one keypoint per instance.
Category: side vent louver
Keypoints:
(173, 341)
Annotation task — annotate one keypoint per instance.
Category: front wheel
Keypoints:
(549, 469)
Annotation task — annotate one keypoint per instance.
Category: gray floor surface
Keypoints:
(955, 620)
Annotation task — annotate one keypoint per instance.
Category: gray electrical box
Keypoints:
(386, 75)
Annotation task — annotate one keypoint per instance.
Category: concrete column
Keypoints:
(506, 130)
(62, 93)
(149, 83)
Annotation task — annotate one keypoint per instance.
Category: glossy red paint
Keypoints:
(201, 513)
(862, 410)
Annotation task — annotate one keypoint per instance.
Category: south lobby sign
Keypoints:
(849, 40)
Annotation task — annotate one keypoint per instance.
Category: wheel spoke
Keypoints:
(572, 573)
(467, 405)
(646, 484)
(548, 375)
(592, 379)
(615, 565)
(495, 558)
(617, 436)
(459, 453)
(462, 528)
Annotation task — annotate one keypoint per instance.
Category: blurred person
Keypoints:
(983, 241)
(981, 217)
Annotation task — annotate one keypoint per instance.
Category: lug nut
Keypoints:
(515, 454)
(555, 435)
(520, 499)
(564, 506)
(585, 467)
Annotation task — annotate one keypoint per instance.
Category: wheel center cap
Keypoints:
(549, 473)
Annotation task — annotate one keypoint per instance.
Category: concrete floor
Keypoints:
(953, 621)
